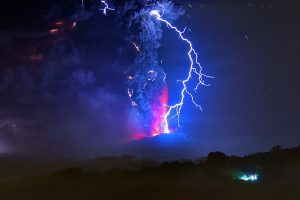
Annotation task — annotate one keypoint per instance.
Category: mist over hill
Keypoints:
(127, 177)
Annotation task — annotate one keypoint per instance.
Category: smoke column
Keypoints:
(147, 88)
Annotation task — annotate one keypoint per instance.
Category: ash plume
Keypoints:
(146, 77)
(54, 97)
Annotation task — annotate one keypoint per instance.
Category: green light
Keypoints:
(249, 177)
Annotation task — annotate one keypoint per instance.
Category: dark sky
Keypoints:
(65, 93)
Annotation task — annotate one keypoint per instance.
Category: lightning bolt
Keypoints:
(106, 8)
(136, 47)
(195, 68)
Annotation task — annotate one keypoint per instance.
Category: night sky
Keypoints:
(63, 89)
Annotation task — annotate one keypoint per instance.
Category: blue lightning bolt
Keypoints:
(194, 68)
(106, 7)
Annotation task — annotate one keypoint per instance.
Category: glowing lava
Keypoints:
(160, 109)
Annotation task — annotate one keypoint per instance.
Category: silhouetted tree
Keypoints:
(216, 159)
(276, 148)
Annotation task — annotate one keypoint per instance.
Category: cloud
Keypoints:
(53, 101)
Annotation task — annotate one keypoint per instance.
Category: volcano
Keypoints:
(163, 146)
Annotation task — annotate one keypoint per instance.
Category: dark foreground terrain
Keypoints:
(216, 177)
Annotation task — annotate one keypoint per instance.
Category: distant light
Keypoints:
(74, 24)
(53, 31)
(249, 177)
(59, 23)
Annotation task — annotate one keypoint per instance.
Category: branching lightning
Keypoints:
(194, 68)
(106, 8)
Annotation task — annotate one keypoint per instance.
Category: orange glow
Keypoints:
(54, 31)
(139, 137)
(59, 23)
(159, 110)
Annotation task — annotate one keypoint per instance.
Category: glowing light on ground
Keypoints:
(249, 177)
